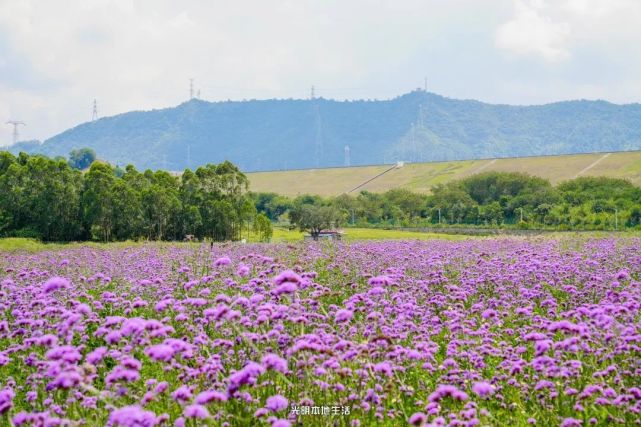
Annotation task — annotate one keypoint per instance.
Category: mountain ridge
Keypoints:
(419, 126)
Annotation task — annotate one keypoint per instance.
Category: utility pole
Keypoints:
(94, 113)
(191, 88)
(521, 214)
(439, 215)
(312, 93)
(425, 85)
(16, 133)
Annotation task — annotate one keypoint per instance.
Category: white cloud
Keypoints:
(531, 31)
(553, 30)
(57, 56)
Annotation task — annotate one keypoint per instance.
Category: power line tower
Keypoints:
(94, 113)
(16, 133)
(312, 93)
(191, 88)
(413, 143)
(421, 116)
(425, 85)
(318, 140)
(347, 159)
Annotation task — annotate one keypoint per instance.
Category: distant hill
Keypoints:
(288, 134)
(421, 177)
(30, 146)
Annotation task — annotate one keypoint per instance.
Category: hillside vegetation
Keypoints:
(421, 177)
(287, 134)
(488, 199)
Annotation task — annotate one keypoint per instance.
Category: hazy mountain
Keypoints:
(30, 146)
(286, 134)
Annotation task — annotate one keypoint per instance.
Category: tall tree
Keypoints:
(81, 158)
(97, 200)
(314, 219)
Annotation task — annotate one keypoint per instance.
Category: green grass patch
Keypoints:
(15, 244)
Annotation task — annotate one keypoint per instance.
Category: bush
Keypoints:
(27, 233)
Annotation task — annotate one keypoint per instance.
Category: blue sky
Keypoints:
(56, 57)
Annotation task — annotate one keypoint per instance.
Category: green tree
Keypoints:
(262, 227)
(81, 158)
(161, 206)
(97, 201)
(127, 211)
(314, 219)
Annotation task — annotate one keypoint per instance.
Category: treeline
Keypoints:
(492, 199)
(50, 200)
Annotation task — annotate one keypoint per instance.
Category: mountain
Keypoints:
(289, 134)
(30, 146)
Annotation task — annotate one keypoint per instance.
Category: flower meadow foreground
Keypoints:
(480, 332)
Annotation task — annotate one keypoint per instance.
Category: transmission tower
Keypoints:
(94, 113)
(413, 142)
(318, 143)
(312, 93)
(16, 134)
(421, 116)
(191, 88)
(347, 159)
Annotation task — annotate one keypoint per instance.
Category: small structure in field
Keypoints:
(326, 235)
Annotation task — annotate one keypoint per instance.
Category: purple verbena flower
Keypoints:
(276, 403)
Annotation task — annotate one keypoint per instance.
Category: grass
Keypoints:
(11, 244)
(15, 244)
(283, 235)
(354, 234)
(19, 244)
(421, 177)
(357, 234)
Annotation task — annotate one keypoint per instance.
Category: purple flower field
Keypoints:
(479, 332)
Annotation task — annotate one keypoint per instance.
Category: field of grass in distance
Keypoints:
(421, 177)
(281, 234)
